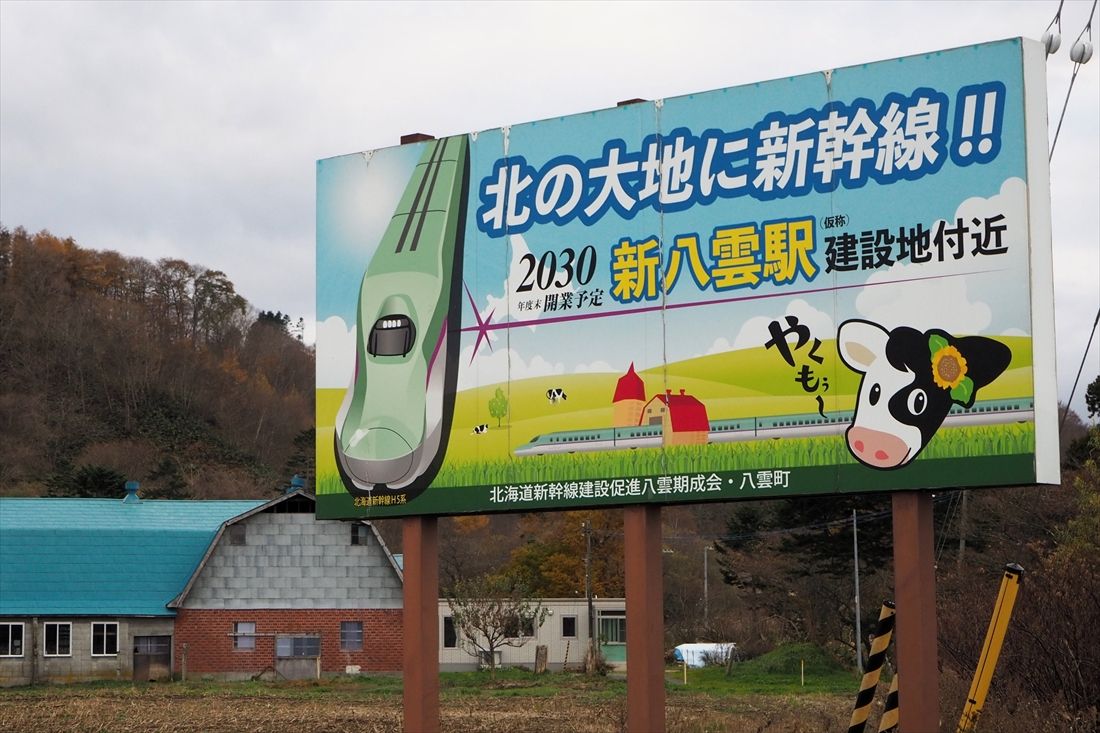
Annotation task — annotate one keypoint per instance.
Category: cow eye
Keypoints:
(876, 392)
(917, 401)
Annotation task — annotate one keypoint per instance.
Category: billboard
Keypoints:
(836, 282)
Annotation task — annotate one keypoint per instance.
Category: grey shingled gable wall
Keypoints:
(295, 561)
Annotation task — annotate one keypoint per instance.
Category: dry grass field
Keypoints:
(571, 704)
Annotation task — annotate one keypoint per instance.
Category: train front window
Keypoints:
(391, 336)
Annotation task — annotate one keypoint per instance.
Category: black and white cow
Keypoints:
(910, 380)
(555, 394)
(480, 429)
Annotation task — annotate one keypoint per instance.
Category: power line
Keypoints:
(1080, 55)
(1076, 66)
(1084, 358)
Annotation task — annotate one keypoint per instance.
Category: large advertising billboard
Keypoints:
(836, 282)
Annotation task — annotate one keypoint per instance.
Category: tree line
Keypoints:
(160, 371)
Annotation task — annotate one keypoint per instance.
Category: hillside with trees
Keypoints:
(115, 367)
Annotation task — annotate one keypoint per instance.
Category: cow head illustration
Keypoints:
(910, 381)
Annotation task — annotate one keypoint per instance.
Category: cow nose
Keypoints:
(877, 448)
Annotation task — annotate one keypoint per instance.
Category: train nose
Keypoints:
(876, 448)
(377, 456)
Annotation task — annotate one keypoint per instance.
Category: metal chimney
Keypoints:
(132, 493)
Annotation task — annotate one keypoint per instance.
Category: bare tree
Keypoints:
(491, 612)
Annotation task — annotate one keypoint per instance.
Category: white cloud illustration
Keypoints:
(952, 303)
(596, 367)
(755, 330)
(491, 367)
(335, 353)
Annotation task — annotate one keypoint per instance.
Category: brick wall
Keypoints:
(207, 634)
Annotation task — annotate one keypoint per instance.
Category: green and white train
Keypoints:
(392, 425)
(804, 425)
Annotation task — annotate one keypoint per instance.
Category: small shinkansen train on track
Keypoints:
(989, 412)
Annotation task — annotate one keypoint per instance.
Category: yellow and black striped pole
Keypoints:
(889, 721)
(883, 633)
(991, 649)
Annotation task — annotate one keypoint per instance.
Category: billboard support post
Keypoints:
(421, 625)
(915, 594)
(645, 631)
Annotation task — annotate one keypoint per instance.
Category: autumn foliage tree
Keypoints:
(158, 370)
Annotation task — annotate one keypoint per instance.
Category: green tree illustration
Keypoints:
(498, 406)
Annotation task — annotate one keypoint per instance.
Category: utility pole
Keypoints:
(706, 594)
(586, 528)
(962, 529)
(859, 630)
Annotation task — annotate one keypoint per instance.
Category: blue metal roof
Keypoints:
(103, 557)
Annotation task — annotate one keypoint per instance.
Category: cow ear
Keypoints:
(861, 343)
(986, 358)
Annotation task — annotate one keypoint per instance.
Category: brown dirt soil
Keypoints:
(153, 709)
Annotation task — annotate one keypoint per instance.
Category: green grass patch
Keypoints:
(775, 673)
(787, 453)
(349, 687)
(778, 672)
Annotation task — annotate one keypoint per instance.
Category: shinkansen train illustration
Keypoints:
(392, 426)
(989, 412)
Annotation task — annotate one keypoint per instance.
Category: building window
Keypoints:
(519, 627)
(359, 534)
(57, 639)
(613, 627)
(450, 637)
(351, 636)
(236, 534)
(244, 635)
(152, 644)
(298, 646)
(11, 640)
(569, 627)
(104, 639)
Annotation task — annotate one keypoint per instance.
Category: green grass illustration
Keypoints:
(745, 383)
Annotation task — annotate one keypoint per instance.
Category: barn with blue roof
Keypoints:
(111, 588)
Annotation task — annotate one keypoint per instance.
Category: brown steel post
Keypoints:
(915, 597)
(645, 628)
(421, 625)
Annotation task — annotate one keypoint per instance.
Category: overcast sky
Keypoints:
(191, 130)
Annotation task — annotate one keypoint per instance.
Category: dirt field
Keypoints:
(296, 708)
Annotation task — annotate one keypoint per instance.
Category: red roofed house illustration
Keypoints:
(629, 399)
(682, 417)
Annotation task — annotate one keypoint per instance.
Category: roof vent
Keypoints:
(132, 493)
(297, 483)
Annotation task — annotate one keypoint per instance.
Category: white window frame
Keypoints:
(22, 637)
(617, 615)
(104, 653)
(347, 637)
(443, 633)
(244, 641)
(576, 627)
(522, 624)
(295, 641)
(46, 636)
